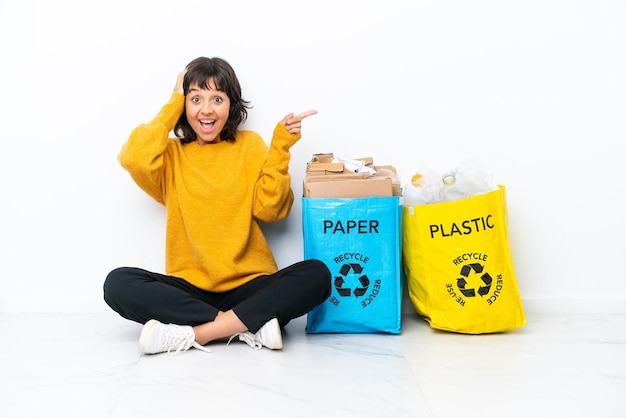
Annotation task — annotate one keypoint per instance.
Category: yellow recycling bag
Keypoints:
(458, 265)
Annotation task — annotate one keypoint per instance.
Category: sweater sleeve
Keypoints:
(273, 194)
(143, 155)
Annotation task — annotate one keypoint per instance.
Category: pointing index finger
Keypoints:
(305, 114)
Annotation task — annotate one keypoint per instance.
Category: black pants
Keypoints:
(140, 295)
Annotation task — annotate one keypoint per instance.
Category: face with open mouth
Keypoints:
(207, 111)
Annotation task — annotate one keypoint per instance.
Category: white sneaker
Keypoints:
(268, 336)
(157, 337)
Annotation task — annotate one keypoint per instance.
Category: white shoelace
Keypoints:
(249, 338)
(181, 341)
(200, 347)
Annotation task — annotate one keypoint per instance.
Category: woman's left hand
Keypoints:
(293, 123)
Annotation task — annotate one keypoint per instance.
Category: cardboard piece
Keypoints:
(326, 177)
(380, 187)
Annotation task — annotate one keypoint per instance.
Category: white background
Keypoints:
(535, 88)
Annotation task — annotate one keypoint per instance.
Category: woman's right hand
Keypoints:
(179, 82)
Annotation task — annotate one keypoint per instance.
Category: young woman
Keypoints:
(217, 183)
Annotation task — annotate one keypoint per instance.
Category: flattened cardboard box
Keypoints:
(381, 187)
(324, 164)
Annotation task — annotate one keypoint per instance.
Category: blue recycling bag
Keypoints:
(359, 239)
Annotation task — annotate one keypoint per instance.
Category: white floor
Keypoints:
(88, 366)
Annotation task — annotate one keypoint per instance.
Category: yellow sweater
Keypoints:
(215, 195)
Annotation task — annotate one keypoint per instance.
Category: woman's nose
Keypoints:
(207, 107)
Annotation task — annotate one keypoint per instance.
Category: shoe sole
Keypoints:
(145, 331)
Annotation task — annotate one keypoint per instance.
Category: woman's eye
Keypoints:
(195, 99)
(218, 100)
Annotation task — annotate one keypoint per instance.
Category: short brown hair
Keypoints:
(200, 71)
